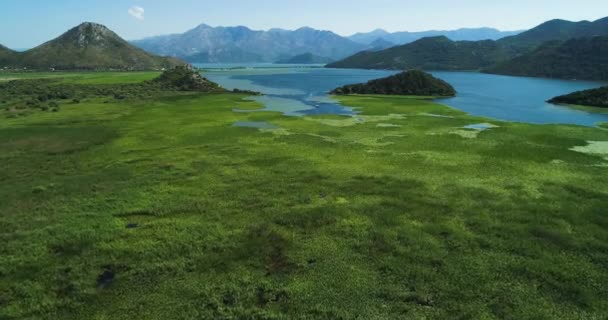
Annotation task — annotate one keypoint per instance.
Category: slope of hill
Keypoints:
(408, 83)
(441, 53)
(235, 44)
(580, 58)
(306, 58)
(92, 46)
(556, 30)
(7, 56)
(464, 34)
(592, 98)
(435, 53)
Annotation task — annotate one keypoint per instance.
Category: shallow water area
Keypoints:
(298, 90)
(254, 124)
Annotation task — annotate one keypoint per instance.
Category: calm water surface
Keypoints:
(298, 90)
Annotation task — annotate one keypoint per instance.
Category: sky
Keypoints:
(28, 23)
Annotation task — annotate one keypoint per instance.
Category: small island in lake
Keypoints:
(407, 83)
(591, 98)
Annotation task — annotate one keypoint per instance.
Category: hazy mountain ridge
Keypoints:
(230, 44)
(441, 53)
(381, 44)
(89, 46)
(404, 37)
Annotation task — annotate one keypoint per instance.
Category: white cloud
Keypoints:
(137, 12)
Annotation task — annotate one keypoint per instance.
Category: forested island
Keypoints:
(407, 83)
(591, 98)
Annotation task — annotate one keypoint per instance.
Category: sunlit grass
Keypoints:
(324, 217)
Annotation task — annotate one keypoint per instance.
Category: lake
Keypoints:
(299, 90)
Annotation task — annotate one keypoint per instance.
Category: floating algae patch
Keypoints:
(468, 134)
(277, 131)
(434, 115)
(481, 126)
(594, 147)
(472, 131)
(387, 125)
(351, 121)
(346, 122)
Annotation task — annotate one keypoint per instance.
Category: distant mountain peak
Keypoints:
(91, 46)
(202, 26)
(379, 30)
(88, 33)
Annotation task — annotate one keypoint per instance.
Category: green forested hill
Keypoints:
(581, 58)
(7, 56)
(592, 98)
(409, 83)
(435, 53)
(90, 46)
(556, 30)
(440, 53)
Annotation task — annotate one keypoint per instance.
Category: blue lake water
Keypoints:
(299, 90)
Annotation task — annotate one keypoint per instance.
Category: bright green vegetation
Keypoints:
(89, 46)
(433, 53)
(557, 48)
(407, 83)
(84, 77)
(21, 98)
(592, 98)
(580, 58)
(160, 208)
(306, 58)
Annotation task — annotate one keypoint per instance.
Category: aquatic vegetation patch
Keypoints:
(481, 126)
(388, 125)
(358, 119)
(468, 134)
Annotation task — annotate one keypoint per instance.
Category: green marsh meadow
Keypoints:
(154, 205)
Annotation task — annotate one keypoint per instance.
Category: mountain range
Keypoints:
(404, 37)
(541, 48)
(241, 44)
(89, 46)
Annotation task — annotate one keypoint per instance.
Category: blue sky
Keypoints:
(27, 23)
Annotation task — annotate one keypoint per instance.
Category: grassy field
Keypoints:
(162, 209)
(83, 77)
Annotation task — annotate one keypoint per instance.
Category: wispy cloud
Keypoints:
(137, 12)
